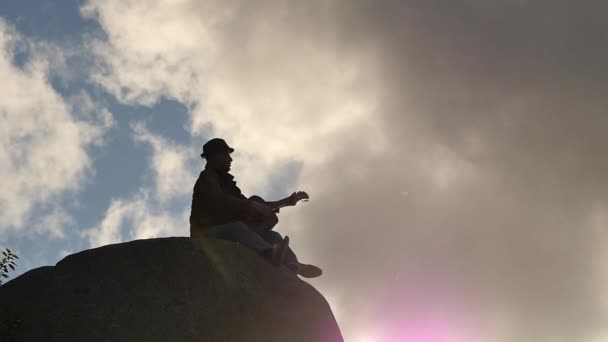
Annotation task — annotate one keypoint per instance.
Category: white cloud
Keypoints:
(136, 218)
(42, 145)
(149, 66)
(268, 100)
(85, 108)
(173, 176)
(53, 223)
(151, 212)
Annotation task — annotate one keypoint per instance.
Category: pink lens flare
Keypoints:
(420, 332)
(425, 325)
(429, 305)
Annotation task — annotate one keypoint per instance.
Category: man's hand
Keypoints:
(261, 214)
(260, 209)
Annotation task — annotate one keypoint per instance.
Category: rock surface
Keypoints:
(166, 289)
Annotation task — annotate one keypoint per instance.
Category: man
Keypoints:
(220, 210)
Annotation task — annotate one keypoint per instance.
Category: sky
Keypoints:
(454, 152)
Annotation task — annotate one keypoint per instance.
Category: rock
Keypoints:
(166, 289)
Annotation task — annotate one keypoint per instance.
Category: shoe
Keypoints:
(279, 251)
(305, 270)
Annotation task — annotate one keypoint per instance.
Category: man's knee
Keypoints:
(239, 227)
(240, 232)
(273, 236)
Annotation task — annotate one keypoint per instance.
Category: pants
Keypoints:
(239, 232)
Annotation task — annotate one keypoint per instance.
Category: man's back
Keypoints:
(216, 200)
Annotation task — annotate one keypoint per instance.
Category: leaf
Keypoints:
(5, 275)
(12, 267)
(4, 252)
(16, 257)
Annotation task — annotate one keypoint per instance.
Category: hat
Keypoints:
(215, 145)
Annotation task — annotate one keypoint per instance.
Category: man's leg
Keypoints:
(240, 232)
(307, 271)
(275, 238)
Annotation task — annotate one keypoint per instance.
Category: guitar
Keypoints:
(263, 225)
(292, 200)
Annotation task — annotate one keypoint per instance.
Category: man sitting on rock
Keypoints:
(220, 210)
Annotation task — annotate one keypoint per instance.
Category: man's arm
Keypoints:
(209, 193)
(288, 201)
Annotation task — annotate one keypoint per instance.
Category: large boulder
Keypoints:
(167, 289)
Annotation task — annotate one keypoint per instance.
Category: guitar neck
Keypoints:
(283, 203)
(288, 201)
(278, 206)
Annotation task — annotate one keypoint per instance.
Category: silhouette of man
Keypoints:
(220, 210)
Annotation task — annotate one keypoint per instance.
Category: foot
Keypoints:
(278, 252)
(305, 270)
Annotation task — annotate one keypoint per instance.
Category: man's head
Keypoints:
(217, 154)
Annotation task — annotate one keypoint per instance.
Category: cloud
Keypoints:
(173, 174)
(157, 209)
(488, 115)
(136, 218)
(238, 84)
(53, 223)
(43, 146)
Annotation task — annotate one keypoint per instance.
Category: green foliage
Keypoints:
(8, 261)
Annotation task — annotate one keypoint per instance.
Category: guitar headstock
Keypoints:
(300, 196)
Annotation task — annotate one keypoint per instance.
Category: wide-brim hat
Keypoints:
(215, 145)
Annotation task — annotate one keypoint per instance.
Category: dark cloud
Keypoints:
(511, 95)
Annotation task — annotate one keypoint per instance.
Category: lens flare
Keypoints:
(425, 326)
